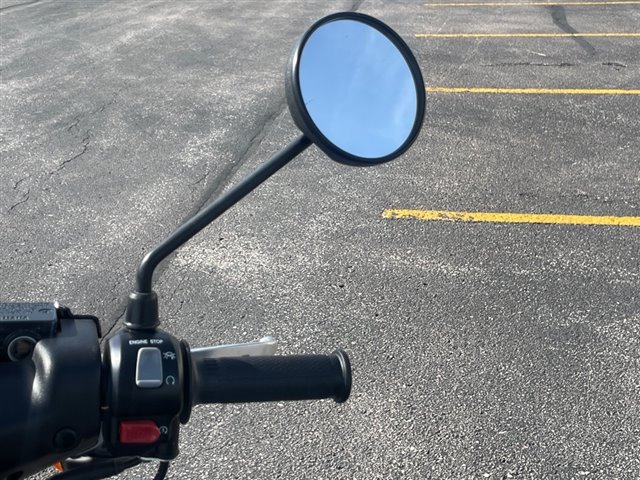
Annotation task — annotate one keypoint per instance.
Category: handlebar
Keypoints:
(67, 400)
(272, 378)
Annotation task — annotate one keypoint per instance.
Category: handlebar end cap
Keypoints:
(342, 395)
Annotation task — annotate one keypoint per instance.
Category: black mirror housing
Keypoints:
(299, 105)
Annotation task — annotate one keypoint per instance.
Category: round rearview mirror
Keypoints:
(355, 89)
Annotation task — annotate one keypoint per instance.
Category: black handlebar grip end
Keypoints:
(343, 394)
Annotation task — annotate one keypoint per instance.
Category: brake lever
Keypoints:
(264, 346)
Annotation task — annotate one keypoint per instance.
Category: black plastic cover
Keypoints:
(50, 404)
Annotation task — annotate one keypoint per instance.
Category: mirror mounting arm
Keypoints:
(142, 311)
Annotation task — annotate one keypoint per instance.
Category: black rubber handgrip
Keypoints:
(272, 378)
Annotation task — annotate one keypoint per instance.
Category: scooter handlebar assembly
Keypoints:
(65, 400)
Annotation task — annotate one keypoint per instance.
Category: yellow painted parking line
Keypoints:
(525, 35)
(536, 91)
(526, 4)
(490, 217)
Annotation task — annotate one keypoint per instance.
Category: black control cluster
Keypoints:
(146, 393)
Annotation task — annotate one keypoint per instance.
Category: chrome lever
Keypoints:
(264, 346)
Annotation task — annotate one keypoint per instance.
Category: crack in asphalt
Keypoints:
(17, 184)
(181, 274)
(216, 188)
(177, 311)
(200, 180)
(115, 322)
(616, 65)
(26, 197)
(86, 140)
(25, 4)
(85, 145)
(213, 190)
(529, 64)
(76, 121)
(74, 124)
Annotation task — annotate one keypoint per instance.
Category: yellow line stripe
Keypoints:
(535, 91)
(525, 4)
(450, 216)
(528, 35)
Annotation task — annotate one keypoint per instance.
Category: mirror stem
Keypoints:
(143, 302)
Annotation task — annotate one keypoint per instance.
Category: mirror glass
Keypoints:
(358, 89)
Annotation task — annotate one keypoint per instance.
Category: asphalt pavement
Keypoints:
(480, 350)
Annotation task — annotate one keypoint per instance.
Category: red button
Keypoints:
(139, 431)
